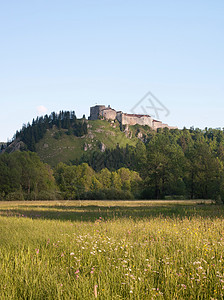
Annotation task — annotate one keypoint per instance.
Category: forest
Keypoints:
(169, 164)
(31, 134)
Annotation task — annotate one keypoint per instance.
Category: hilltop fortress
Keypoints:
(108, 113)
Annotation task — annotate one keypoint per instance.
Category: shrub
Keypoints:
(15, 196)
(107, 194)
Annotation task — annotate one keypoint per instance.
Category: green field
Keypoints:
(111, 250)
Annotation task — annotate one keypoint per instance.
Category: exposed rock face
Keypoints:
(127, 132)
(87, 147)
(102, 147)
(140, 135)
(91, 135)
(16, 145)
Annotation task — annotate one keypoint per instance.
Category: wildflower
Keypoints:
(37, 251)
(196, 262)
(72, 253)
(77, 271)
(95, 290)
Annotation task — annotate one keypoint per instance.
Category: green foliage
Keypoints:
(175, 163)
(69, 148)
(107, 194)
(184, 164)
(58, 134)
(112, 158)
(31, 134)
(24, 176)
(80, 182)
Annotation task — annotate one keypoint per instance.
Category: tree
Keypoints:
(165, 161)
(104, 176)
(23, 171)
(203, 171)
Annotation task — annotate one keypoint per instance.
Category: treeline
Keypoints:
(112, 159)
(82, 182)
(24, 177)
(31, 134)
(172, 163)
(176, 164)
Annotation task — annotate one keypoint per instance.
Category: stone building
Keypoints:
(132, 119)
(96, 111)
(108, 113)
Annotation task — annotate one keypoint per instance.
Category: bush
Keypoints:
(107, 194)
(219, 199)
(15, 196)
(48, 195)
(57, 135)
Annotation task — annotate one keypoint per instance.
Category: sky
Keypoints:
(70, 55)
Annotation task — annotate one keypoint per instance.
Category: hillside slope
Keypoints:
(57, 146)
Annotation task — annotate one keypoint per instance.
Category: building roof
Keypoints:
(109, 108)
(136, 115)
(97, 106)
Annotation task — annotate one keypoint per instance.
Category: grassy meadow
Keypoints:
(111, 250)
(70, 147)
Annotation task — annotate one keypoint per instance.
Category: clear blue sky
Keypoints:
(69, 55)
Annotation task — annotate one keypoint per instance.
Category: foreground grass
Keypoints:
(122, 250)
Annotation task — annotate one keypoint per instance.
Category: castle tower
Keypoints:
(95, 111)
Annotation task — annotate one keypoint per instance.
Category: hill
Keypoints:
(57, 146)
(64, 138)
(171, 163)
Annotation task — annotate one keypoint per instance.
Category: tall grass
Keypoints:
(127, 251)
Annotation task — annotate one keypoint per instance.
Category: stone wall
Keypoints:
(125, 119)
(95, 111)
(109, 114)
(159, 124)
(128, 119)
